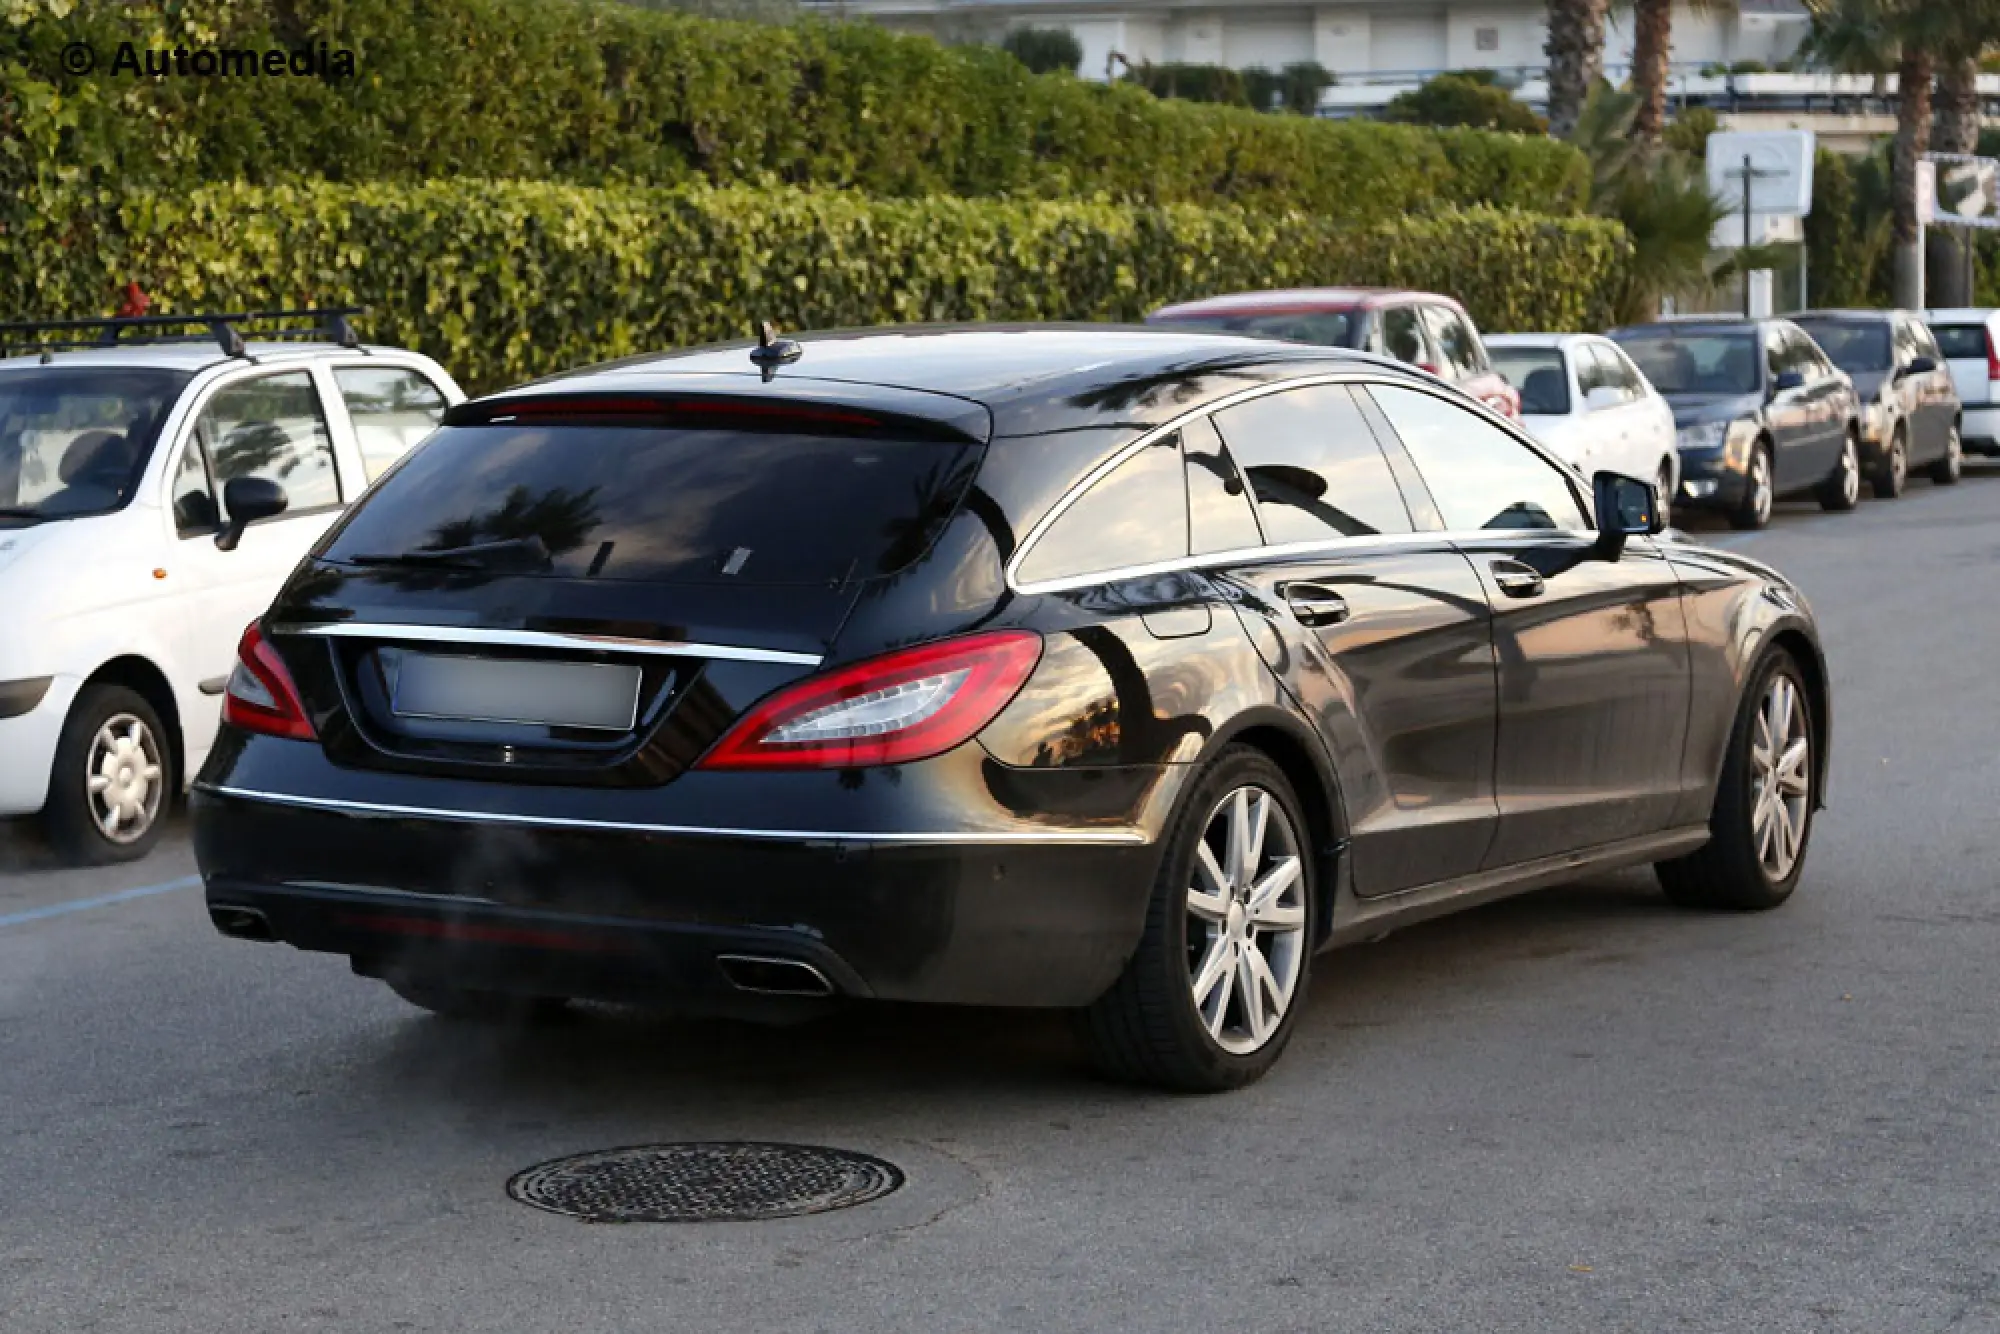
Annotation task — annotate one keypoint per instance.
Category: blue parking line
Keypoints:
(101, 901)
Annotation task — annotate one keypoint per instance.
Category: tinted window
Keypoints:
(1219, 513)
(1591, 370)
(272, 427)
(1695, 363)
(74, 440)
(1538, 373)
(1403, 335)
(392, 408)
(1620, 371)
(1455, 342)
(1851, 345)
(1480, 476)
(1803, 355)
(684, 505)
(1314, 466)
(1135, 515)
(1329, 328)
(1961, 341)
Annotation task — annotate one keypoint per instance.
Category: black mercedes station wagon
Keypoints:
(1120, 671)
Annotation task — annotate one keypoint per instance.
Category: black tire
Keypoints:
(70, 813)
(1754, 510)
(1728, 871)
(490, 1007)
(1147, 1028)
(1893, 472)
(1947, 470)
(1841, 491)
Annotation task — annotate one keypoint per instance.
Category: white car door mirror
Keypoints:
(1602, 397)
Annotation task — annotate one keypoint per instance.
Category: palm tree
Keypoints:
(1652, 54)
(1576, 59)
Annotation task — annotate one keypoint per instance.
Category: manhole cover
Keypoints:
(704, 1183)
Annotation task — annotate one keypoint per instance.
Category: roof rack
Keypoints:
(331, 324)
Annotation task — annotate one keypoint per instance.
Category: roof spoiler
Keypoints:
(693, 409)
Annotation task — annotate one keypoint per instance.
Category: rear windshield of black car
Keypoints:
(1696, 363)
(1852, 345)
(1961, 342)
(1327, 328)
(665, 505)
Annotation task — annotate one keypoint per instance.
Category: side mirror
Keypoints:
(1626, 507)
(1788, 381)
(247, 500)
(1921, 366)
(1602, 397)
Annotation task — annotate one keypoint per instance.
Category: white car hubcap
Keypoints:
(124, 778)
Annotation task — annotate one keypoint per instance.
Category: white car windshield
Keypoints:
(73, 440)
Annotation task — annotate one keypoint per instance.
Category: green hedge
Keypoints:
(503, 281)
(596, 93)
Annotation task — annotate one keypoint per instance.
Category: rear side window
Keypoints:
(1455, 343)
(666, 504)
(1402, 336)
(392, 408)
(1137, 514)
(1314, 466)
(1962, 342)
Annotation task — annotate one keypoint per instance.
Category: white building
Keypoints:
(1365, 43)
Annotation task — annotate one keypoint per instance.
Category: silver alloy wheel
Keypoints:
(1760, 486)
(1665, 483)
(1850, 474)
(1899, 460)
(1954, 453)
(1246, 920)
(124, 778)
(1780, 778)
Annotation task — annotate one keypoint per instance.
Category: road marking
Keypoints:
(101, 901)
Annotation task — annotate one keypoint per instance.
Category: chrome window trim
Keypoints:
(481, 635)
(1363, 377)
(390, 810)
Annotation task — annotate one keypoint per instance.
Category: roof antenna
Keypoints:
(772, 351)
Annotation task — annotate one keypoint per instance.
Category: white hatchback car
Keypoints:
(1583, 398)
(155, 490)
(1970, 340)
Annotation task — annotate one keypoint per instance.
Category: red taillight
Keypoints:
(260, 696)
(1992, 358)
(902, 706)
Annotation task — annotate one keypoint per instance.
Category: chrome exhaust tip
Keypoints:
(766, 976)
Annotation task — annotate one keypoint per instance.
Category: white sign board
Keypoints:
(1781, 165)
(1927, 178)
(1954, 191)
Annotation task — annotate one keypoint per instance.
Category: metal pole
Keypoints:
(1743, 260)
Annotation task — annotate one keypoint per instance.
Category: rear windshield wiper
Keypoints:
(473, 556)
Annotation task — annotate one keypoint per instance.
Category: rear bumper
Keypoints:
(636, 915)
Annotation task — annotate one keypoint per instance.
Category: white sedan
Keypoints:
(1583, 398)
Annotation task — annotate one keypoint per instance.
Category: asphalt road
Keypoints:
(1579, 1111)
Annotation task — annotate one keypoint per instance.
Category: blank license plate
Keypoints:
(499, 690)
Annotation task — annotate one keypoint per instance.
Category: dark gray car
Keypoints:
(1910, 413)
(1759, 410)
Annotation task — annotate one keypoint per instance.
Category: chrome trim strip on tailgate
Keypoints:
(473, 634)
(387, 810)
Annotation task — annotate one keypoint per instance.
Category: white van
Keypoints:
(155, 490)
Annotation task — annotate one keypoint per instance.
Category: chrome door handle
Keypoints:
(1517, 580)
(1315, 604)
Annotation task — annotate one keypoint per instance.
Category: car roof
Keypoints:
(1857, 316)
(1541, 339)
(191, 356)
(1031, 378)
(1295, 300)
(1697, 323)
(1968, 313)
